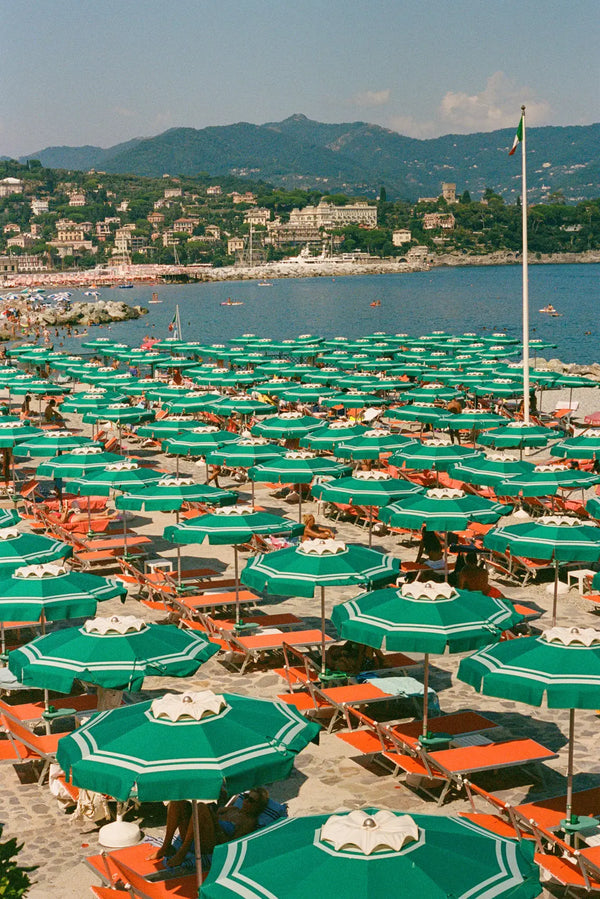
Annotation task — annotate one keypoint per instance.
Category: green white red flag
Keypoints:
(518, 137)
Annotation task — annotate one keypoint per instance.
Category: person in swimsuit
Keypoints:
(216, 825)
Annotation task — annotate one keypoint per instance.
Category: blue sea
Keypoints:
(480, 299)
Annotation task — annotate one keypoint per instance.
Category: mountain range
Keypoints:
(356, 158)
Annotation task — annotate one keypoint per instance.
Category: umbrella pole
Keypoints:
(299, 503)
(370, 525)
(178, 553)
(555, 599)
(569, 815)
(237, 584)
(252, 495)
(197, 848)
(124, 533)
(323, 663)
(425, 693)
(446, 556)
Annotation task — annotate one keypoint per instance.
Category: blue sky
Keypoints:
(99, 72)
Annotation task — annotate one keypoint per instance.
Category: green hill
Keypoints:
(356, 158)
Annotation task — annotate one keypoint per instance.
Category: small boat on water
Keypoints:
(549, 310)
(124, 286)
(375, 303)
(154, 299)
(265, 284)
(230, 302)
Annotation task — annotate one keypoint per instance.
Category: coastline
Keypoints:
(298, 268)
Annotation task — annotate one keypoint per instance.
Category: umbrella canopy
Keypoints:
(116, 476)
(170, 493)
(198, 441)
(434, 455)
(546, 480)
(489, 470)
(371, 488)
(242, 405)
(14, 432)
(518, 434)
(245, 452)
(114, 653)
(442, 509)
(298, 467)
(372, 444)
(329, 436)
(48, 443)
(554, 537)
(87, 400)
(231, 525)
(287, 425)
(17, 550)
(53, 592)
(424, 617)
(191, 402)
(77, 463)
(584, 446)
(362, 853)
(299, 570)
(120, 413)
(168, 427)
(185, 747)
(561, 665)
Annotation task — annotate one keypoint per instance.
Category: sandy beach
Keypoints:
(328, 777)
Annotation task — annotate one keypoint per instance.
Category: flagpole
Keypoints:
(525, 276)
(179, 334)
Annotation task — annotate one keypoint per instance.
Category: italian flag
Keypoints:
(518, 137)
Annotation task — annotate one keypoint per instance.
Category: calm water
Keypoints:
(454, 300)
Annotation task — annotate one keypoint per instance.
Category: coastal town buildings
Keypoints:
(9, 186)
(444, 220)
(401, 236)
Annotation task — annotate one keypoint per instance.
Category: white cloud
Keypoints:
(372, 98)
(410, 127)
(496, 106)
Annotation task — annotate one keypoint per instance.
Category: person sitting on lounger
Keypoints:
(431, 548)
(216, 825)
(351, 657)
(472, 577)
(52, 415)
(314, 531)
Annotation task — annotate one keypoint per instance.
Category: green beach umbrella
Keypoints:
(557, 538)
(547, 480)
(199, 441)
(489, 470)
(14, 432)
(186, 747)
(370, 488)
(561, 665)
(425, 413)
(77, 463)
(372, 444)
(442, 509)
(242, 405)
(39, 388)
(517, 434)
(584, 446)
(190, 402)
(299, 570)
(116, 476)
(170, 493)
(287, 425)
(51, 592)
(48, 443)
(232, 526)
(354, 400)
(120, 413)
(245, 452)
(183, 746)
(432, 392)
(426, 618)
(18, 550)
(499, 387)
(297, 467)
(434, 455)
(168, 427)
(84, 401)
(330, 435)
(114, 653)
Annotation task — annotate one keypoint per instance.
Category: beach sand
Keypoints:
(327, 777)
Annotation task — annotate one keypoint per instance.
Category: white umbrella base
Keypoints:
(119, 834)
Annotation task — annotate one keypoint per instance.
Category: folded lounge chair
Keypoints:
(28, 746)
